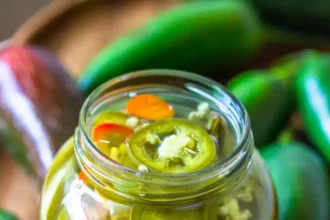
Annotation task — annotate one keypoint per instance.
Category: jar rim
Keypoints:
(220, 168)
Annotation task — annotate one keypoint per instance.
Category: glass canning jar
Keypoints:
(83, 183)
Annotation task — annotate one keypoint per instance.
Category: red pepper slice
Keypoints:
(108, 134)
(82, 177)
(112, 134)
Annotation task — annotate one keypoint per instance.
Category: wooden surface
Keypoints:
(10, 21)
(75, 31)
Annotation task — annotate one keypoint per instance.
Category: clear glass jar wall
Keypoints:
(85, 183)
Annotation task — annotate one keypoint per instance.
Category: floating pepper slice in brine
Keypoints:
(111, 117)
(113, 134)
(109, 137)
(149, 107)
(172, 146)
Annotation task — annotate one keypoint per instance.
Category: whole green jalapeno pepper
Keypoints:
(194, 37)
(5, 215)
(313, 97)
(301, 181)
(268, 101)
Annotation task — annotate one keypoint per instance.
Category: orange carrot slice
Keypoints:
(149, 107)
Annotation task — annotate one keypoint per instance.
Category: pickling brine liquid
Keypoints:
(159, 152)
(186, 107)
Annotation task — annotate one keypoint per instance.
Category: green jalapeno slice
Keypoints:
(172, 146)
(111, 117)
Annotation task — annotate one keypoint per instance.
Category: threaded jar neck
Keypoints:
(132, 185)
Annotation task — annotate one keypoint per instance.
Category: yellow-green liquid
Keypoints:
(252, 199)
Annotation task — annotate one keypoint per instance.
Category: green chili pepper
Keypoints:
(300, 179)
(5, 215)
(154, 146)
(268, 96)
(194, 37)
(313, 96)
(268, 101)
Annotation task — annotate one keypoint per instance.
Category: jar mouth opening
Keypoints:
(219, 168)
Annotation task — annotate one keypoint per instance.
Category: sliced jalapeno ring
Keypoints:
(172, 146)
(216, 127)
(108, 129)
(109, 134)
(111, 117)
(108, 137)
(140, 212)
